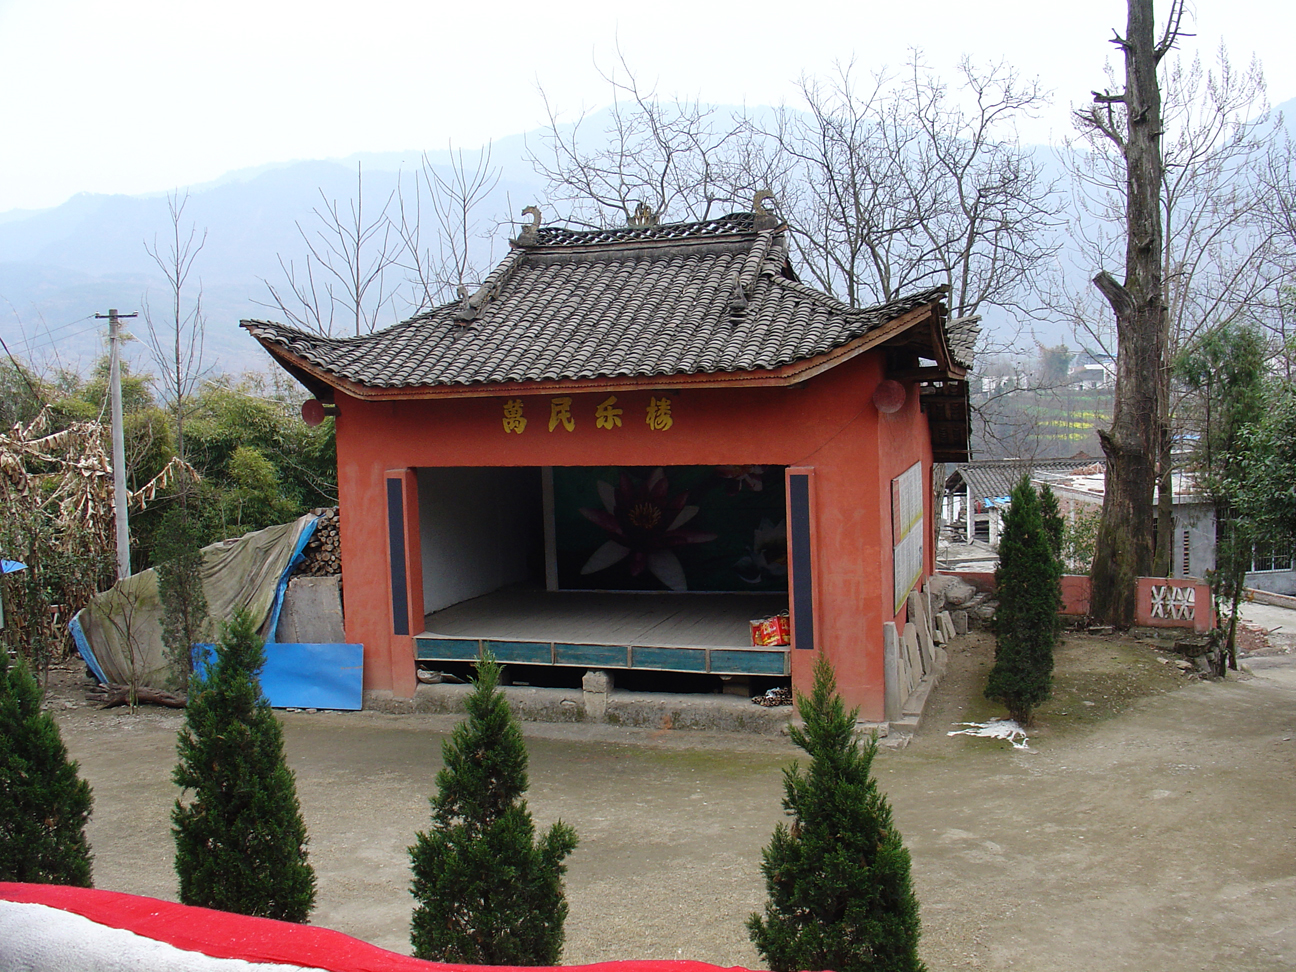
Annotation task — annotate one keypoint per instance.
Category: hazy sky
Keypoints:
(145, 95)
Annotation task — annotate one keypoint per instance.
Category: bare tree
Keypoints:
(1131, 120)
(896, 186)
(349, 256)
(888, 186)
(436, 271)
(652, 160)
(176, 343)
(1221, 256)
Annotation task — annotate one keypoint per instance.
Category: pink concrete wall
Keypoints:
(1075, 595)
(829, 424)
(1203, 610)
(1075, 598)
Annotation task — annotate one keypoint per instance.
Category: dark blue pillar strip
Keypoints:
(802, 575)
(396, 544)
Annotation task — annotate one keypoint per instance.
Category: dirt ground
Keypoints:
(1149, 825)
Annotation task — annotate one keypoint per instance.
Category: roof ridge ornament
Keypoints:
(465, 312)
(530, 232)
(737, 294)
(762, 218)
(643, 216)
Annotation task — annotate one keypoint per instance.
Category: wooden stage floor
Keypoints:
(660, 631)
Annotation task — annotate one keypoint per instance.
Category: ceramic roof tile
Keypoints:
(633, 302)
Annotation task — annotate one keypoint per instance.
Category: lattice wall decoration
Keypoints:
(1173, 603)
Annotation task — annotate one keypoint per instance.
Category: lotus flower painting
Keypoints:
(676, 528)
(644, 523)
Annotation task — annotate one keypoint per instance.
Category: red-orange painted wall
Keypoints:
(829, 424)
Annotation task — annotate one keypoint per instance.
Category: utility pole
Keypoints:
(118, 441)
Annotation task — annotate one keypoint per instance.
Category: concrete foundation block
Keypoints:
(960, 619)
(595, 687)
(894, 696)
(946, 625)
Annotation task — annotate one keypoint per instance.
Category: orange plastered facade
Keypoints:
(828, 425)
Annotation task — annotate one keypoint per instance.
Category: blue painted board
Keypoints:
(595, 656)
(446, 649)
(669, 659)
(521, 652)
(743, 662)
(307, 676)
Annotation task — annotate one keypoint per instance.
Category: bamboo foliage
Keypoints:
(57, 491)
(65, 477)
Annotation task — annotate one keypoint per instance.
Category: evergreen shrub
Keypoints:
(840, 897)
(240, 840)
(177, 552)
(487, 892)
(1029, 590)
(44, 804)
(1055, 532)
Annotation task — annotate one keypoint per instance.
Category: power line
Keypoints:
(51, 330)
(22, 371)
(30, 347)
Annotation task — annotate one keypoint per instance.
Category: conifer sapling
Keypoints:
(487, 892)
(240, 840)
(185, 622)
(1028, 586)
(44, 805)
(838, 878)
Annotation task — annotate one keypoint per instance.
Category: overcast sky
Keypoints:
(146, 95)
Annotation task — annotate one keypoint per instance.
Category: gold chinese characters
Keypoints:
(607, 414)
(514, 421)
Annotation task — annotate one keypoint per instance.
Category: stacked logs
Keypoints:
(323, 551)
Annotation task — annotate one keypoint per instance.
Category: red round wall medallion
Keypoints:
(312, 411)
(889, 396)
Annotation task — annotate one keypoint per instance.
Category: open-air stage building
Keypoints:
(629, 443)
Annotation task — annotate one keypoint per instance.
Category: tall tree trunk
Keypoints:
(1133, 443)
(1163, 561)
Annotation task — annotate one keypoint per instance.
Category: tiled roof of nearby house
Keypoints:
(990, 478)
(961, 334)
(688, 298)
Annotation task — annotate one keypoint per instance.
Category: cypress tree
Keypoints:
(179, 558)
(838, 879)
(487, 892)
(240, 840)
(44, 805)
(1028, 583)
(1054, 529)
(1051, 518)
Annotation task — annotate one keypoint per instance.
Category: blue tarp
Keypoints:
(306, 676)
(250, 572)
(11, 566)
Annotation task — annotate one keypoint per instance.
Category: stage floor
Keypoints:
(659, 631)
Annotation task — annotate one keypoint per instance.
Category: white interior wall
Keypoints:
(477, 528)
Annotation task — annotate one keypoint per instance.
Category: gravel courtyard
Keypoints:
(1150, 825)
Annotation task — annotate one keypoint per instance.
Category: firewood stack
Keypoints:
(323, 552)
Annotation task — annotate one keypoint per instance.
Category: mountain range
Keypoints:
(60, 266)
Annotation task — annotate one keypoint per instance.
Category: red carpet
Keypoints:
(220, 934)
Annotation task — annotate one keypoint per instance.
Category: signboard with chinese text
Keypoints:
(907, 531)
(560, 413)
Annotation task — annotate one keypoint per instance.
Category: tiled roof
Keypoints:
(961, 335)
(990, 478)
(707, 229)
(688, 298)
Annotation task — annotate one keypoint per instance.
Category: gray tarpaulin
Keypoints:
(120, 630)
